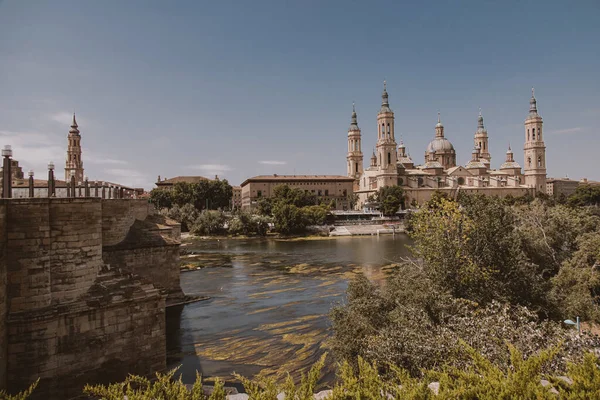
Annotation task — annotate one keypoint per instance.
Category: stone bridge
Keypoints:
(83, 288)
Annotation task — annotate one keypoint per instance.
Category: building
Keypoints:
(236, 198)
(75, 184)
(391, 164)
(324, 187)
(557, 187)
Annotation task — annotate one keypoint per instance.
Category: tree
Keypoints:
(585, 195)
(209, 222)
(161, 198)
(183, 193)
(288, 218)
(390, 199)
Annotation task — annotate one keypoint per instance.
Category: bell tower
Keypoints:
(481, 140)
(73, 161)
(355, 155)
(534, 149)
(386, 143)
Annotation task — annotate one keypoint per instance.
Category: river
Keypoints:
(269, 301)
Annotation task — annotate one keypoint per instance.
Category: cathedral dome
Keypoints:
(439, 144)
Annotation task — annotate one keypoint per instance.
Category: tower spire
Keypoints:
(384, 95)
(532, 103)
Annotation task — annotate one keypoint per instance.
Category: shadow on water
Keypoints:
(269, 302)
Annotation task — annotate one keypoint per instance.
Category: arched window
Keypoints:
(484, 145)
(400, 181)
(539, 161)
(540, 133)
(527, 134)
(461, 180)
(356, 167)
(533, 134)
(389, 158)
(388, 129)
(379, 159)
(529, 161)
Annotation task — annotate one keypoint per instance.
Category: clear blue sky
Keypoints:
(250, 87)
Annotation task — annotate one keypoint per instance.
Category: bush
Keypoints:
(209, 222)
(186, 215)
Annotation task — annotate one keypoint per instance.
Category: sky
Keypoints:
(244, 88)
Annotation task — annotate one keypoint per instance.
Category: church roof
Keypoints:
(475, 164)
(510, 164)
(439, 144)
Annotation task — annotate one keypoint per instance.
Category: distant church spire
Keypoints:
(354, 120)
(532, 103)
(74, 126)
(384, 95)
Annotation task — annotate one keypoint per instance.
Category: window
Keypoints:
(533, 134)
(259, 193)
(389, 158)
(326, 192)
(461, 180)
(529, 161)
(539, 161)
(356, 167)
(345, 193)
(400, 181)
(484, 145)
(320, 193)
(527, 134)
(388, 130)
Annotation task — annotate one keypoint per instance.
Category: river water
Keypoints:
(269, 301)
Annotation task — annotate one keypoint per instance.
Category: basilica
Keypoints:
(391, 164)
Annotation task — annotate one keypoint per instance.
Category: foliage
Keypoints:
(484, 273)
(411, 323)
(288, 218)
(294, 196)
(246, 223)
(262, 388)
(21, 395)
(264, 207)
(206, 194)
(161, 198)
(209, 222)
(585, 195)
(390, 199)
(293, 210)
(186, 215)
(163, 387)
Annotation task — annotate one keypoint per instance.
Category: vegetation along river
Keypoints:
(269, 301)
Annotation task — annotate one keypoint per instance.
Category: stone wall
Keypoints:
(151, 250)
(99, 340)
(66, 316)
(3, 298)
(118, 215)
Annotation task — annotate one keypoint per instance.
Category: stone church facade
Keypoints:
(390, 163)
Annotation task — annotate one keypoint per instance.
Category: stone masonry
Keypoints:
(82, 298)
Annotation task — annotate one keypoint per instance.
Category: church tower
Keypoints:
(481, 140)
(355, 155)
(73, 162)
(534, 149)
(386, 143)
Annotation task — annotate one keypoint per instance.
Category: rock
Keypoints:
(545, 383)
(281, 396)
(566, 379)
(239, 396)
(322, 394)
(434, 387)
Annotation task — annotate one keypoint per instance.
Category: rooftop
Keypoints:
(188, 179)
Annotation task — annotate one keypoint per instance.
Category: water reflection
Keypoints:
(269, 301)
